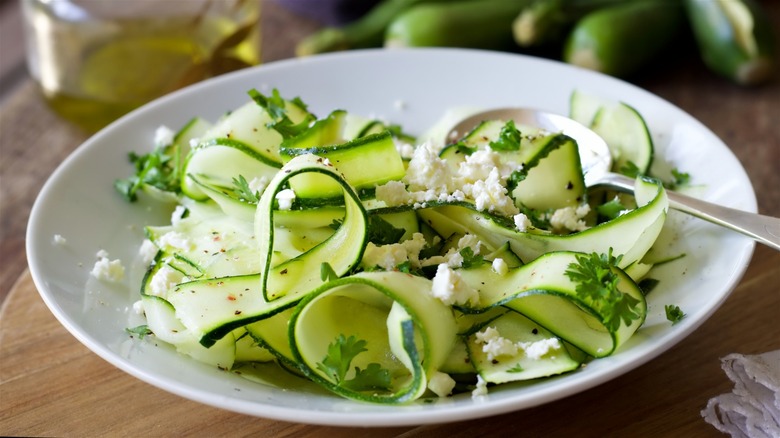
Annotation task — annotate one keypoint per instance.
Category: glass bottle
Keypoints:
(96, 60)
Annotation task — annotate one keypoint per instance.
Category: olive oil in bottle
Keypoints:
(96, 60)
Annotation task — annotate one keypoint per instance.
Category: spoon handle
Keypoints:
(764, 229)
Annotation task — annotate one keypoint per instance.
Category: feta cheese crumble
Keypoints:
(164, 279)
(570, 218)
(147, 252)
(388, 257)
(481, 389)
(163, 136)
(500, 267)
(285, 199)
(177, 215)
(59, 240)
(494, 345)
(449, 287)
(104, 269)
(522, 223)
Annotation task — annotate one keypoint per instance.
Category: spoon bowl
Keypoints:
(596, 161)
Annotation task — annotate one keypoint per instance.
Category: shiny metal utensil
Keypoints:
(597, 161)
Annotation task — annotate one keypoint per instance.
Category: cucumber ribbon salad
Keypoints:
(387, 268)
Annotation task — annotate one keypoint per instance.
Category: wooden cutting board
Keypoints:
(51, 385)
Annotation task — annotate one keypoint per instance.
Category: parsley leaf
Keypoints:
(470, 260)
(674, 313)
(141, 331)
(382, 232)
(508, 139)
(244, 192)
(597, 287)
(156, 169)
(678, 179)
(338, 360)
(274, 105)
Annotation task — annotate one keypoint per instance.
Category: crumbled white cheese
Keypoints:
(388, 257)
(176, 240)
(164, 279)
(108, 270)
(393, 193)
(449, 287)
(59, 240)
(522, 223)
(147, 251)
(441, 384)
(570, 218)
(481, 389)
(405, 150)
(491, 195)
(478, 165)
(426, 171)
(539, 349)
(500, 267)
(163, 136)
(494, 345)
(177, 215)
(285, 199)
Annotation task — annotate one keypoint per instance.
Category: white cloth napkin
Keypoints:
(752, 409)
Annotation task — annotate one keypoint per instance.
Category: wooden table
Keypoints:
(51, 385)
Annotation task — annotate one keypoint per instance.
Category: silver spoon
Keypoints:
(597, 162)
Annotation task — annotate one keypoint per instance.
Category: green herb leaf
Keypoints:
(337, 362)
(156, 169)
(630, 169)
(597, 287)
(374, 377)
(508, 139)
(382, 232)
(674, 313)
(244, 192)
(274, 105)
(470, 260)
(141, 331)
(678, 179)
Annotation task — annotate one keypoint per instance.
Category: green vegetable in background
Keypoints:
(548, 21)
(367, 31)
(483, 24)
(734, 37)
(619, 40)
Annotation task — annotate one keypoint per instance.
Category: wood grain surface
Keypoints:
(51, 385)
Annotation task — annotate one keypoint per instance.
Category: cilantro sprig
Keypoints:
(597, 287)
(338, 362)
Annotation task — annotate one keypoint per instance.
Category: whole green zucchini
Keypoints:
(485, 24)
(620, 39)
(734, 37)
(367, 31)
